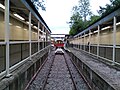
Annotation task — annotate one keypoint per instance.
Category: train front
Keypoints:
(59, 44)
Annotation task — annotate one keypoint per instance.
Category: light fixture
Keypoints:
(34, 33)
(18, 26)
(25, 29)
(39, 29)
(86, 34)
(106, 28)
(96, 31)
(35, 27)
(18, 16)
(118, 23)
(2, 6)
(90, 33)
(28, 23)
(10, 23)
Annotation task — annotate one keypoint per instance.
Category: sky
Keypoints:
(58, 13)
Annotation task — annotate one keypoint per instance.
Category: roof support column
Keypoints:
(84, 42)
(38, 36)
(49, 38)
(46, 35)
(7, 36)
(114, 40)
(43, 37)
(30, 37)
(89, 39)
(78, 42)
(98, 42)
(81, 42)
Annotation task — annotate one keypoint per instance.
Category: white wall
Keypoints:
(16, 33)
(106, 37)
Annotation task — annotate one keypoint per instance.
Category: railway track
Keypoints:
(58, 73)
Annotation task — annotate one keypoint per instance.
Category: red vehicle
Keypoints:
(59, 44)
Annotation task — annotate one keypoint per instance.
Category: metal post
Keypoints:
(98, 43)
(49, 39)
(114, 40)
(30, 33)
(91, 76)
(84, 41)
(78, 42)
(43, 37)
(81, 42)
(89, 39)
(38, 36)
(7, 34)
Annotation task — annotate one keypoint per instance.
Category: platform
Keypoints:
(107, 73)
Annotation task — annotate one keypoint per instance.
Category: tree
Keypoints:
(78, 19)
(101, 11)
(115, 4)
(76, 24)
(39, 4)
(93, 19)
(84, 9)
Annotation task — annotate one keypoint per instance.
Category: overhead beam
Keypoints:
(59, 34)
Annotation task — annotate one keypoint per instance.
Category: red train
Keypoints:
(59, 44)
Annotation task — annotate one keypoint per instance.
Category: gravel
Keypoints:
(39, 81)
(107, 72)
(79, 82)
(59, 77)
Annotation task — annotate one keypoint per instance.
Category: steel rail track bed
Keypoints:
(58, 73)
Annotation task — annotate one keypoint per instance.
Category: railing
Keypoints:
(105, 51)
(19, 50)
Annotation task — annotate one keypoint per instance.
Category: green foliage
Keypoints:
(93, 19)
(78, 25)
(115, 4)
(78, 20)
(83, 9)
(39, 4)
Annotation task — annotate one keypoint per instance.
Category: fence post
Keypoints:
(89, 39)
(30, 34)
(98, 38)
(38, 36)
(84, 42)
(7, 34)
(114, 40)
